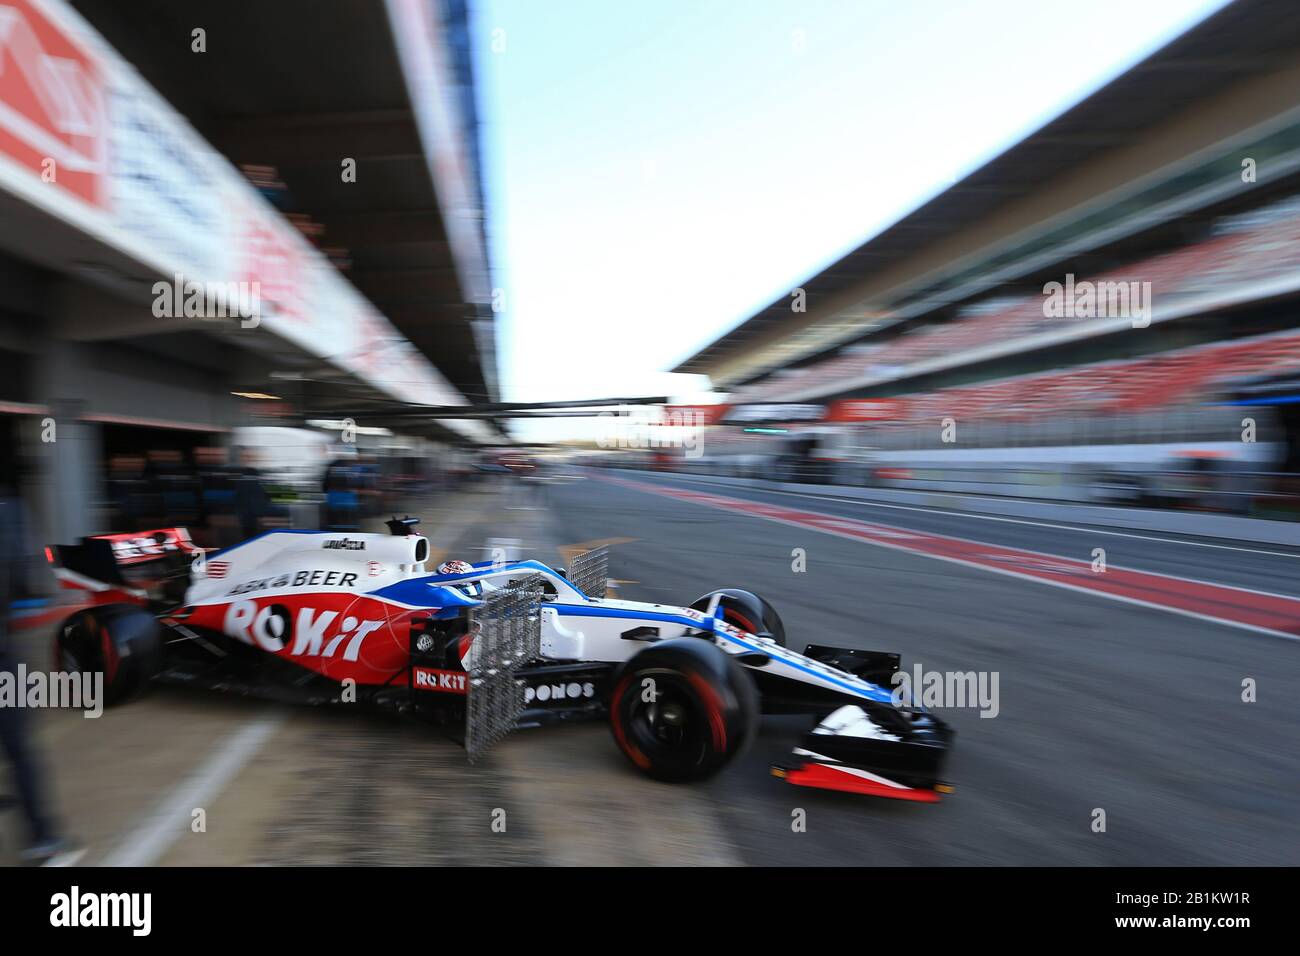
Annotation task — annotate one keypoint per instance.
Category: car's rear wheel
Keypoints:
(121, 641)
(681, 710)
(745, 610)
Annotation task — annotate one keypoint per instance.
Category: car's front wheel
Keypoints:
(682, 709)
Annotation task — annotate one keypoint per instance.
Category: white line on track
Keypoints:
(1022, 549)
(1082, 529)
(1009, 572)
(170, 816)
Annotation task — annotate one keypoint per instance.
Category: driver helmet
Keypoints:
(470, 588)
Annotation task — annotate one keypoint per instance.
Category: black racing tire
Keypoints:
(747, 611)
(699, 713)
(121, 641)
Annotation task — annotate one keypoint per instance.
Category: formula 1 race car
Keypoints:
(483, 649)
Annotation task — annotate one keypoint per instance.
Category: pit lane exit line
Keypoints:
(1005, 519)
(170, 817)
(1261, 612)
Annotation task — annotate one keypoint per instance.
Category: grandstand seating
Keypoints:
(1181, 377)
(1245, 250)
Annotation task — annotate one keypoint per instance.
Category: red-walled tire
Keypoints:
(122, 641)
(682, 709)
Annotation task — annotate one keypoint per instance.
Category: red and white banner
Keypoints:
(85, 139)
(854, 410)
(53, 113)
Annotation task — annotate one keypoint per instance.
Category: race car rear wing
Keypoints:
(124, 566)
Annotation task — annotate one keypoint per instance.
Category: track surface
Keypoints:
(1103, 705)
(1106, 705)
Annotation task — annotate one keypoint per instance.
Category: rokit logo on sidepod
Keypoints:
(313, 633)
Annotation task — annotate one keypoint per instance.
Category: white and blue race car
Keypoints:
(486, 648)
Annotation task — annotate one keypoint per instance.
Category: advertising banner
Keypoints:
(85, 138)
(855, 410)
(53, 114)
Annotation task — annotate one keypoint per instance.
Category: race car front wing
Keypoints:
(879, 751)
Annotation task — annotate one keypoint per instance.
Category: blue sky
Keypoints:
(658, 170)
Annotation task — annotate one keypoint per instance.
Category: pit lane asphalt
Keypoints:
(191, 778)
(1102, 705)
(1266, 567)
(1126, 709)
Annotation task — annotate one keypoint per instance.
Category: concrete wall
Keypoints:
(76, 387)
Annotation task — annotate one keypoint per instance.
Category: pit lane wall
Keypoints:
(86, 141)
